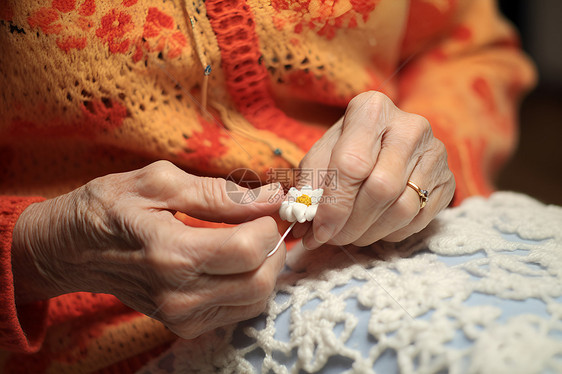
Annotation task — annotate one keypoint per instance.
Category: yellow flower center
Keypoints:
(304, 199)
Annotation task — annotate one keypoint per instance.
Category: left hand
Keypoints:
(376, 148)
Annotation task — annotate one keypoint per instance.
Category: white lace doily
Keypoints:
(478, 291)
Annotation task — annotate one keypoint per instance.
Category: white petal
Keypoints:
(293, 192)
(316, 195)
(283, 210)
(311, 212)
(306, 190)
(290, 214)
(299, 211)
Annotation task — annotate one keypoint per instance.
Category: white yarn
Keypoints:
(416, 303)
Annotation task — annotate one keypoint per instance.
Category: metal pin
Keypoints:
(281, 240)
(206, 73)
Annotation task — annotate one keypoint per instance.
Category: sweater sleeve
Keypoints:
(22, 327)
(466, 77)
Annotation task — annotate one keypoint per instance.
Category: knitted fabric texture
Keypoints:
(93, 87)
(411, 309)
(29, 318)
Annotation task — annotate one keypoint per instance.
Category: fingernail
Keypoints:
(304, 246)
(323, 233)
(309, 243)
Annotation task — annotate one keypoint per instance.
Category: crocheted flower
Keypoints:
(160, 34)
(115, 25)
(325, 18)
(301, 205)
(67, 21)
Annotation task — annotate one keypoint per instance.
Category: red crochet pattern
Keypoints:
(246, 77)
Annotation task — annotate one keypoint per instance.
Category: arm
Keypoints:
(467, 82)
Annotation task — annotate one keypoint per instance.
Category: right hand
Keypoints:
(117, 235)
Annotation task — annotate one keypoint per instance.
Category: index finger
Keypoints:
(354, 157)
(165, 186)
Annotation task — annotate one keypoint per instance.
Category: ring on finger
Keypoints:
(423, 194)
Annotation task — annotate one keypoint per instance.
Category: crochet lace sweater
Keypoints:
(91, 87)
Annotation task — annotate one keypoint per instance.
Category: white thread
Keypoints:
(272, 252)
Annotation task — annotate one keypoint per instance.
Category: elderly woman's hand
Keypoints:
(118, 235)
(376, 148)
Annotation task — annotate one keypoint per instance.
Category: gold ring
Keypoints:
(423, 194)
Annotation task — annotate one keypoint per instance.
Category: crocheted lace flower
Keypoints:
(300, 205)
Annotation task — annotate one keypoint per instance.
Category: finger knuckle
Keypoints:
(443, 157)
(220, 192)
(375, 105)
(353, 165)
(257, 309)
(157, 177)
(161, 168)
(418, 128)
(422, 123)
(190, 328)
(249, 252)
(357, 101)
(440, 149)
(406, 209)
(270, 231)
(383, 186)
(170, 312)
(212, 191)
(397, 237)
(452, 181)
(369, 98)
(377, 98)
(217, 187)
(262, 286)
(176, 307)
(406, 232)
(363, 242)
(344, 237)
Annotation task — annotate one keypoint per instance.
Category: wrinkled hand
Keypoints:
(376, 148)
(117, 235)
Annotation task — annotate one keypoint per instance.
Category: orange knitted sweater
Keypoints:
(90, 87)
